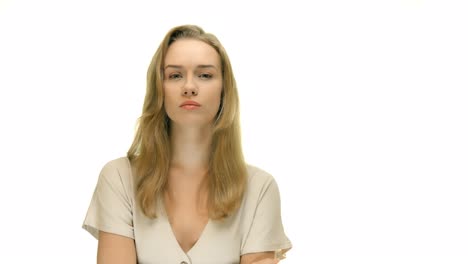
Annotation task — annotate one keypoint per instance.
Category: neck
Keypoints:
(190, 150)
(190, 147)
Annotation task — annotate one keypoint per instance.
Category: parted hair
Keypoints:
(150, 151)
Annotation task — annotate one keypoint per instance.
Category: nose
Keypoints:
(189, 88)
(190, 92)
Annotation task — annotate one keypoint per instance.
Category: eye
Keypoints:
(175, 76)
(205, 76)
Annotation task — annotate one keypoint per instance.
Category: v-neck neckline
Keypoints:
(197, 243)
(173, 236)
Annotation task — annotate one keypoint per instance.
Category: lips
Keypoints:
(190, 103)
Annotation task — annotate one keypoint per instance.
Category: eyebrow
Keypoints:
(198, 66)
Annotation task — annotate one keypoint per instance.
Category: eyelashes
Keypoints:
(205, 76)
(178, 76)
(175, 76)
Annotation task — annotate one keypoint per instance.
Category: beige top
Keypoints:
(256, 227)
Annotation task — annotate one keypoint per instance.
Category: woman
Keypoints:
(184, 194)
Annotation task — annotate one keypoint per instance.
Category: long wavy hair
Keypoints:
(150, 151)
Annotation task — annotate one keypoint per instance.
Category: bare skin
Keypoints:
(186, 194)
(115, 249)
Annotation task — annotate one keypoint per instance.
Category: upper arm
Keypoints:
(115, 249)
(265, 231)
(111, 208)
(254, 257)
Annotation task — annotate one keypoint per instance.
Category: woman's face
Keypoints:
(193, 82)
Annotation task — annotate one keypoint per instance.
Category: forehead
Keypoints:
(191, 52)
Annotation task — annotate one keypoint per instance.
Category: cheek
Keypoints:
(168, 98)
(168, 93)
(216, 97)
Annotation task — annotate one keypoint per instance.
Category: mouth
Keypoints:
(190, 105)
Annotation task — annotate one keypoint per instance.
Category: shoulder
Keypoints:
(118, 172)
(257, 174)
(121, 164)
(259, 180)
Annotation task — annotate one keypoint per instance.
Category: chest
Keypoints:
(157, 242)
(187, 226)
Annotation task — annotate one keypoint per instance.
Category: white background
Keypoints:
(358, 108)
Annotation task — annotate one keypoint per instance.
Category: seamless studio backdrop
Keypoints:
(358, 108)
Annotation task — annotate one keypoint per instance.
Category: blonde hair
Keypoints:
(150, 151)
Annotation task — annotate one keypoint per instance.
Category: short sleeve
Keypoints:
(266, 231)
(111, 205)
